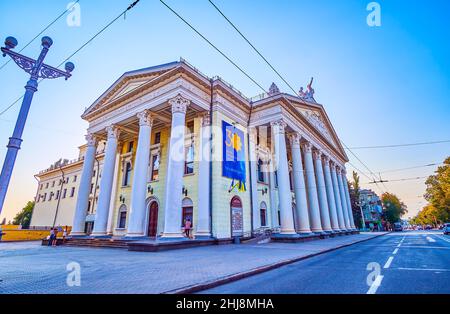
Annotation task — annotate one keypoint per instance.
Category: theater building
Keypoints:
(166, 144)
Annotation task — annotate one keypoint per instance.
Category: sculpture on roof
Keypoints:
(273, 89)
(309, 94)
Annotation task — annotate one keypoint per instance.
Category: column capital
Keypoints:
(307, 147)
(326, 159)
(91, 139)
(113, 131)
(317, 154)
(295, 138)
(179, 104)
(279, 125)
(145, 118)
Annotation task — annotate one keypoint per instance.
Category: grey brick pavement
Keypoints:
(29, 267)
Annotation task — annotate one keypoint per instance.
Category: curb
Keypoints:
(234, 277)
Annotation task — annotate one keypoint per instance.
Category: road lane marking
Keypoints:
(442, 238)
(389, 262)
(424, 269)
(375, 285)
(395, 251)
(430, 239)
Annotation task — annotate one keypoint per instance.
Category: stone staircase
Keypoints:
(98, 242)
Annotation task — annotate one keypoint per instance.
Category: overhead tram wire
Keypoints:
(401, 145)
(82, 46)
(285, 81)
(42, 31)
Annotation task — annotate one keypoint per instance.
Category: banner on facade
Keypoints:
(233, 159)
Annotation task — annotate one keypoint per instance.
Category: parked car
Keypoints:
(398, 226)
(446, 228)
(428, 227)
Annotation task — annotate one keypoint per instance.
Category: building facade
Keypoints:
(371, 209)
(176, 145)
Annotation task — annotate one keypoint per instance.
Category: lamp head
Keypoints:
(10, 42)
(69, 66)
(46, 41)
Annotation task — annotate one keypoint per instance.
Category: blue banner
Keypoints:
(233, 157)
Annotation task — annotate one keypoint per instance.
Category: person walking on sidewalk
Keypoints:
(50, 239)
(187, 228)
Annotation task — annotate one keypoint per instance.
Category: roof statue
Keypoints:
(309, 94)
(273, 89)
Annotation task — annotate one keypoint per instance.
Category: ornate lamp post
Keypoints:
(37, 69)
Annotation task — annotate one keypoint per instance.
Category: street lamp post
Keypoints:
(362, 215)
(37, 69)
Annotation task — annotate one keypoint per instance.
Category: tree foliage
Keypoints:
(354, 188)
(393, 208)
(438, 196)
(24, 216)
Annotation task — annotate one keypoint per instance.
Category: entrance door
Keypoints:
(153, 219)
(237, 223)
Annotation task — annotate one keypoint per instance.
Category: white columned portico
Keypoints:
(137, 211)
(349, 203)
(254, 179)
(337, 197)
(284, 190)
(311, 187)
(110, 227)
(343, 199)
(322, 193)
(175, 169)
(203, 216)
(330, 194)
(104, 197)
(85, 186)
(301, 202)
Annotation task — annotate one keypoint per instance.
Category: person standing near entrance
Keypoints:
(187, 228)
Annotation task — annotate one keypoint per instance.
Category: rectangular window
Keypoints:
(127, 174)
(122, 219)
(92, 188)
(93, 173)
(155, 168)
(74, 178)
(157, 138)
(190, 127)
(46, 185)
(44, 197)
(189, 160)
(53, 184)
(130, 147)
(57, 195)
(41, 186)
(64, 193)
(38, 198)
(72, 192)
(50, 196)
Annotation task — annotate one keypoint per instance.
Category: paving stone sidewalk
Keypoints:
(28, 267)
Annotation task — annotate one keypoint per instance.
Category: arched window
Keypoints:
(263, 214)
(122, 216)
(188, 211)
(237, 219)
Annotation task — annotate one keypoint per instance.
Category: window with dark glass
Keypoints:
(122, 217)
(157, 138)
(64, 193)
(189, 161)
(155, 168)
(57, 195)
(263, 217)
(187, 214)
(127, 174)
(72, 192)
(130, 147)
(190, 127)
(260, 171)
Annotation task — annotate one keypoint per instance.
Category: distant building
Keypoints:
(371, 207)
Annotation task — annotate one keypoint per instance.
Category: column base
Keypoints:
(99, 235)
(134, 235)
(172, 235)
(202, 235)
(287, 232)
(304, 231)
(77, 234)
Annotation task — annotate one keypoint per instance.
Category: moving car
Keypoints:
(446, 228)
(398, 226)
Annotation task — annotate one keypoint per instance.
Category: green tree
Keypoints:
(24, 216)
(393, 208)
(354, 189)
(438, 191)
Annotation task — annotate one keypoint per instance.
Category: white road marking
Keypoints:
(424, 269)
(389, 262)
(376, 283)
(443, 238)
(395, 251)
(430, 239)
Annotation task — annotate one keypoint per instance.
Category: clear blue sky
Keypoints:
(383, 85)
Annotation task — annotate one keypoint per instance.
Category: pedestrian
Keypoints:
(55, 238)
(64, 235)
(52, 235)
(187, 228)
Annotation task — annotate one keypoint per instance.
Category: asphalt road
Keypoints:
(399, 263)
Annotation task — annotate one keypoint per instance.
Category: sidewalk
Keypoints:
(32, 268)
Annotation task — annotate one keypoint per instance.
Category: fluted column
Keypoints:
(104, 197)
(254, 180)
(349, 203)
(84, 187)
(343, 199)
(284, 190)
(337, 197)
(175, 169)
(322, 193)
(301, 202)
(330, 194)
(273, 196)
(311, 187)
(137, 210)
(203, 217)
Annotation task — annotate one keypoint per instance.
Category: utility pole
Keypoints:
(37, 69)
